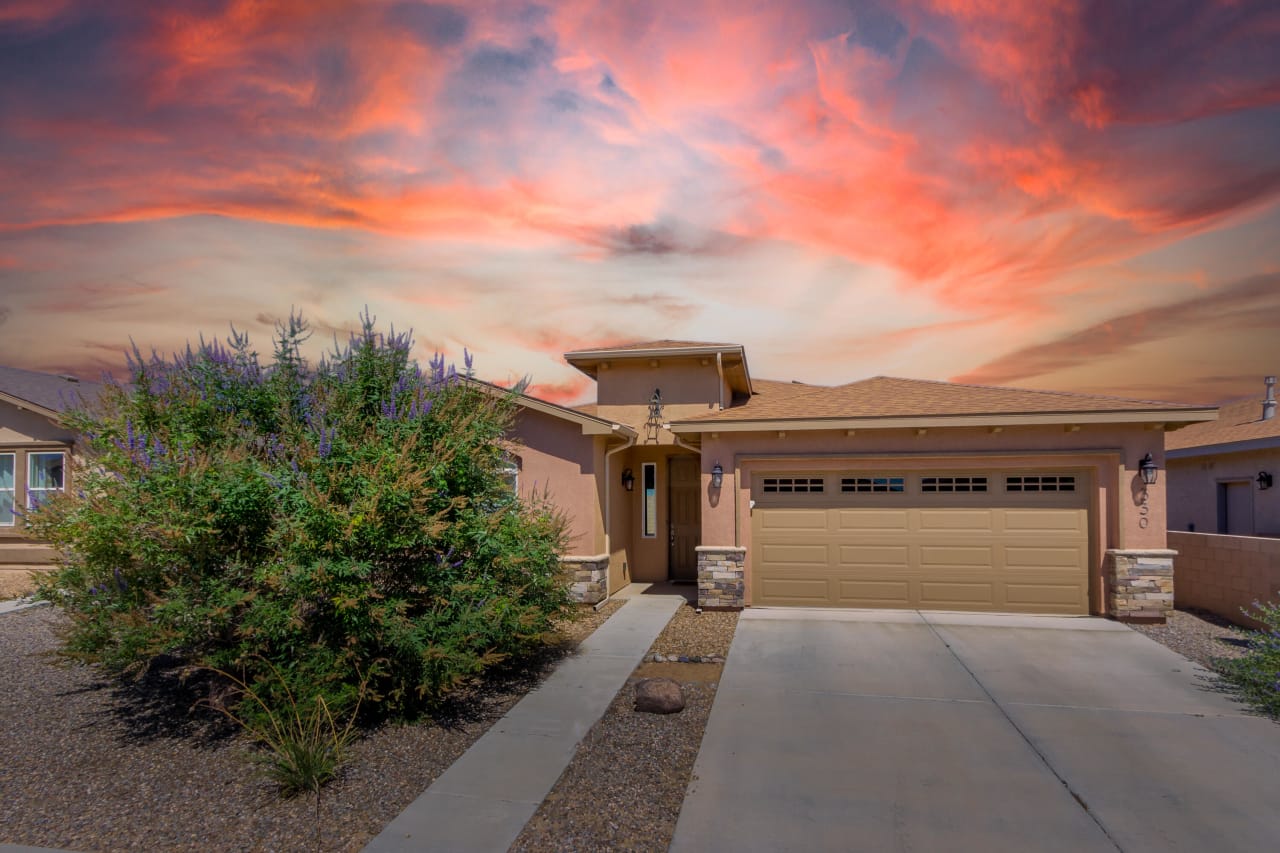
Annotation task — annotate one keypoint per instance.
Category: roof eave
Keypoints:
(45, 411)
(1160, 416)
(1270, 442)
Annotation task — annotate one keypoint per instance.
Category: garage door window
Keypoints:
(953, 484)
(1040, 483)
(872, 484)
(791, 485)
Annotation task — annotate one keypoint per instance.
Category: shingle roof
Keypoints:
(1239, 420)
(886, 396)
(50, 391)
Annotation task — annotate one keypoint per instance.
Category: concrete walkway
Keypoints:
(930, 731)
(487, 796)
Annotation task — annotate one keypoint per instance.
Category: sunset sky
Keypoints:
(1069, 195)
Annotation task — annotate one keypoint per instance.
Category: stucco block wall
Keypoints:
(1193, 489)
(1223, 574)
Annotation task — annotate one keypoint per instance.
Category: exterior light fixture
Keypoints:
(628, 479)
(1264, 480)
(1147, 467)
(717, 476)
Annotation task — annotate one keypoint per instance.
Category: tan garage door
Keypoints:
(1011, 541)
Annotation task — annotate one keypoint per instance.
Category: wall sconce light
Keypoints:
(628, 479)
(1147, 467)
(1264, 480)
(717, 476)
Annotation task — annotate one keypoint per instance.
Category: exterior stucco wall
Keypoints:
(688, 387)
(1193, 489)
(1225, 574)
(1126, 513)
(556, 458)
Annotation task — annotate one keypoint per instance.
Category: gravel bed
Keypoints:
(626, 783)
(91, 763)
(1199, 636)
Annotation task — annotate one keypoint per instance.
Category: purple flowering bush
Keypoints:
(346, 524)
(1256, 675)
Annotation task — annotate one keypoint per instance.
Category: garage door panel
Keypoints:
(1046, 520)
(955, 557)
(811, 592)
(792, 554)
(941, 595)
(873, 593)
(1017, 558)
(892, 556)
(1050, 594)
(961, 551)
(867, 520)
(795, 519)
(951, 518)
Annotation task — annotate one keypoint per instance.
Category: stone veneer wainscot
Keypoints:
(721, 573)
(588, 577)
(1139, 584)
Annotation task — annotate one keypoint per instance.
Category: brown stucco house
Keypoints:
(1222, 474)
(34, 451)
(883, 492)
(1224, 509)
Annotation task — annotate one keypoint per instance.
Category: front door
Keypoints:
(685, 517)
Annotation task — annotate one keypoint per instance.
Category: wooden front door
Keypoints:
(685, 516)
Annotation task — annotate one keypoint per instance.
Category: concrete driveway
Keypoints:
(906, 731)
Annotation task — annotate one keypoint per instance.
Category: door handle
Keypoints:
(672, 527)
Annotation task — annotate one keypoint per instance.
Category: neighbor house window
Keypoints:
(649, 508)
(7, 488)
(45, 475)
(872, 484)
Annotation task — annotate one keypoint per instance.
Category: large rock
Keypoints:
(659, 696)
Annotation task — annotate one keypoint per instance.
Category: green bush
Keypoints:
(345, 523)
(1257, 674)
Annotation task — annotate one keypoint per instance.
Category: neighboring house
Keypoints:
(879, 493)
(34, 453)
(1224, 476)
(1224, 509)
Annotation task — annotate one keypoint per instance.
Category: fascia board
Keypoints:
(31, 407)
(943, 421)
(1265, 443)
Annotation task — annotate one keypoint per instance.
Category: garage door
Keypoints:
(1013, 541)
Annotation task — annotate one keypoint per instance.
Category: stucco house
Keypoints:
(34, 452)
(1222, 474)
(883, 492)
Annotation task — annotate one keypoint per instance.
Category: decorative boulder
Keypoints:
(659, 696)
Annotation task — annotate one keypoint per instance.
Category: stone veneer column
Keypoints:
(588, 577)
(1139, 584)
(721, 572)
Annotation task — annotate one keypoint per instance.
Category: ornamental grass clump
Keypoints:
(307, 528)
(1256, 674)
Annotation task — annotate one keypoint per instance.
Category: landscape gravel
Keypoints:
(1199, 636)
(92, 763)
(626, 783)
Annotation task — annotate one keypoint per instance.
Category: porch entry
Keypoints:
(684, 499)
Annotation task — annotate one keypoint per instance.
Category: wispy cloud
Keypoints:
(974, 171)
